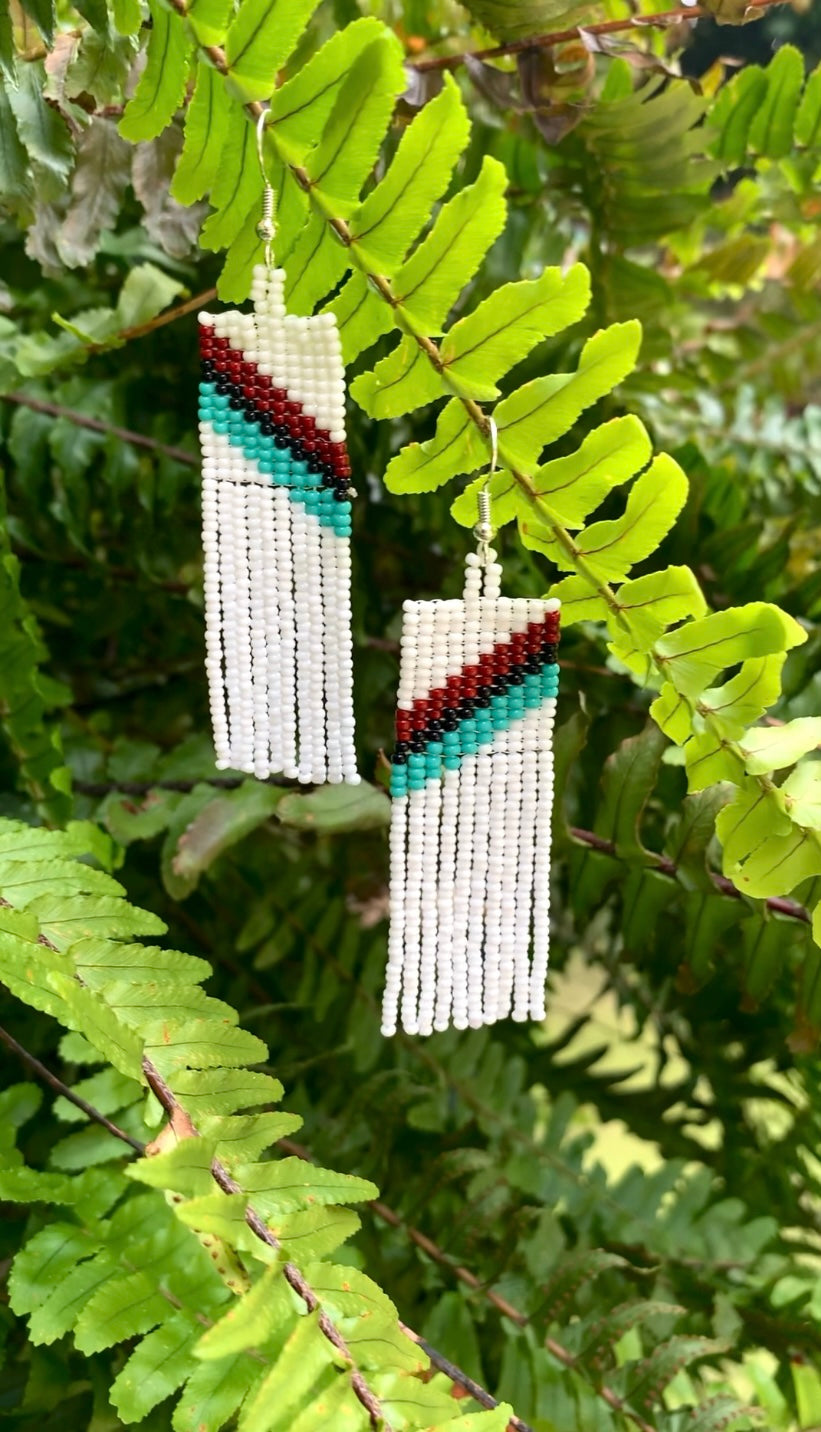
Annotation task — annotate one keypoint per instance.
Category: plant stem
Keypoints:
(169, 316)
(662, 20)
(96, 425)
(38, 1068)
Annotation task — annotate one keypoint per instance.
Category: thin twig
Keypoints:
(663, 865)
(662, 20)
(96, 425)
(169, 316)
(46, 1075)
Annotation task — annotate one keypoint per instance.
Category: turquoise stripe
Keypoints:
(474, 731)
(277, 464)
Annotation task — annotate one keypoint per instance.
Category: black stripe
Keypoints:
(452, 716)
(280, 434)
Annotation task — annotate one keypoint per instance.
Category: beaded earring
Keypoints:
(276, 514)
(472, 789)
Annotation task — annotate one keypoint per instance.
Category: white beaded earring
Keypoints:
(472, 789)
(276, 512)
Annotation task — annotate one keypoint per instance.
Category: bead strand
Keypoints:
(439, 641)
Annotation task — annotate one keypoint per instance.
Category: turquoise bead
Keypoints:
(416, 783)
(450, 741)
(452, 763)
(416, 761)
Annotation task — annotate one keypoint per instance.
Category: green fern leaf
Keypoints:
(314, 266)
(397, 210)
(610, 549)
(777, 865)
(768, 748)
(302, 1361)
(656, 601)
(87, 1013)
(121, 1309)
(288, 1184)
(200, 1044)
(574, 485)
(747, 695)
(58, 1314)
(601, 1337)
(771, 131)
(808, 118)
(98, 962)
(402, 381)
(734, 112)
(350, 141)
(43, 1262)
(223, 1091)
(348, 1293)
(64, 921)
(647, 1380)
(430, 281)
(127, 16)
(361, 316)
(247, 1135)
(335, 1405)
(502, 330)
(237, 188)
(207, 123)
(369, 1342)
(698, 650)
(455, 447)
(259, 41)
(162, 83)
(185, 1169)
(252, 1321)
(156, 1368)
(213, 1394)
(801, 793)
(209, 19)
(300, 107)
(545, 409)
(22, 882)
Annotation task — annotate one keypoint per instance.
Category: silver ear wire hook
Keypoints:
(484, 531)
(266, 228)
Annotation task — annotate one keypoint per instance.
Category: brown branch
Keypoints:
(665, 866)
(662, 20)
(38, 1068)
(96, 425)
(169, 316)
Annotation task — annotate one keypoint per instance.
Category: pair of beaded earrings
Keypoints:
(472, 769)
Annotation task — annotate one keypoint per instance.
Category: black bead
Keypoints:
(400, 755)
(450, 722)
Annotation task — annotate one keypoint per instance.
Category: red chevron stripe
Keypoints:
(493, 666)
(258, 390)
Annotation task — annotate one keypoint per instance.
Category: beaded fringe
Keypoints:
(472, 787)
(276, 535)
